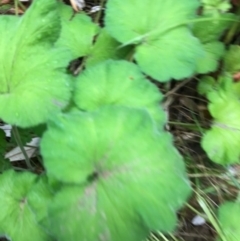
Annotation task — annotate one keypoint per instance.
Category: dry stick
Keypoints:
(80, 67)
(19, 143)
(177, 87)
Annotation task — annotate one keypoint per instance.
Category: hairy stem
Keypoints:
(19, 143)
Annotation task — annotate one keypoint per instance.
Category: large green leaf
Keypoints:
(129, 179)
(23, 203)
(77, 32)
(118, 83)
(33, 82)
(222, 141)
(94, 215)
(229, 219)
(166, 48)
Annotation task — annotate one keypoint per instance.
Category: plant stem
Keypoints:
(18, 4)
(233, 30)
(16, 7)
(130, 55)
(177, 87)
(21, 5)
(168, 28)
(19, 143)
(187, 125)
(99, 13)
(80, 67)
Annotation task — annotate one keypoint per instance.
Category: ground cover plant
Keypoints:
(135, 108)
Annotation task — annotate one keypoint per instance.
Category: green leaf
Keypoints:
(98, 216)
(206, 84)
(118, 83)
(39, 197)
(209, 33)
(6, 23)
(229, 219)
(209, 30)
(20, 196)
(214, 7)
(106, 47)
(129, 178)
(169, 58)
(236, 89)
(165, 46)
(33, 82)
(5, 8)
(125, 28)
(214, 51)
(232, 59)
(222, 141)
(77, 32)
(4, 164)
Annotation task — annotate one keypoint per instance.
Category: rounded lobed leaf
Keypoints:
(33, 80)
(129, 179)
(24, 203)
(214, 7)
(221, 142)
(229, 219)
(232, 59)
(206, 84)
(118, 83)
(209, 30)
(95, 216)
(77, 31)
(161, 16)
(166, 48)
(214, 51)
(165, 58)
